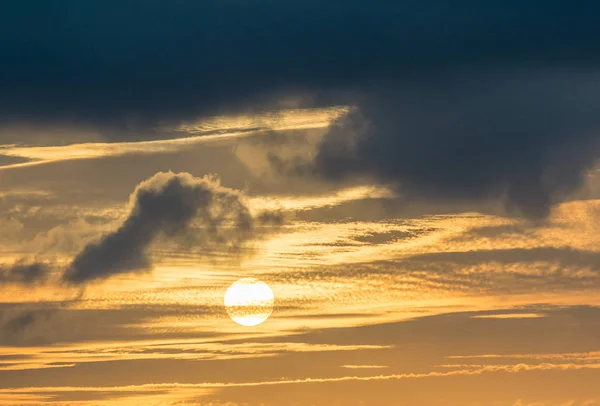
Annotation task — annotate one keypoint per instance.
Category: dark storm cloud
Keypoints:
(525, 138)
(464, 102)
(168, 205)
(129, 63)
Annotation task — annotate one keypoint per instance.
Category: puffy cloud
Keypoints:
(168, 205)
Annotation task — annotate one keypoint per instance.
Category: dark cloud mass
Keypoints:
(525, 138)
(465, 102)
(165, 205)
(130, 63)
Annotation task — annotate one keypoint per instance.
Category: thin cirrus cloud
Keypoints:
(564, 257)
(567, 356)
(364, 366)
(71, 355)
(514, 368)
(209, 130)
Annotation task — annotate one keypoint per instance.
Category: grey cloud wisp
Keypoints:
(24, 273)
(168, 205)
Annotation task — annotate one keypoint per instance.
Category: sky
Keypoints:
(418, 184)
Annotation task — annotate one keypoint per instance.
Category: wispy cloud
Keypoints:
(517, 368)
(573, 356)
(364, 366)
(208, 131)
(71, 355)
(509, 316)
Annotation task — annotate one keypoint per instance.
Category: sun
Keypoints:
(249, 301)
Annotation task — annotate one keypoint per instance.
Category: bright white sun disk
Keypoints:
(249, 301)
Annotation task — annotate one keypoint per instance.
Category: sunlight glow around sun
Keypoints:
(249, 301)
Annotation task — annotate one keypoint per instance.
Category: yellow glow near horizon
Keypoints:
(249, 301)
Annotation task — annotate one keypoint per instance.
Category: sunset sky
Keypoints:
(417, 182)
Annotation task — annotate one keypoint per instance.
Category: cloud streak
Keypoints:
(210, 130)
(564, 257)
(517, 368)
(72, 355)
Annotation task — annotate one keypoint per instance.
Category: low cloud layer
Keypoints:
(166, 205)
